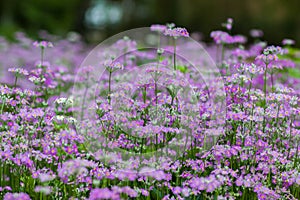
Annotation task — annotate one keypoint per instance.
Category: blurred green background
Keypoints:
(98, 19)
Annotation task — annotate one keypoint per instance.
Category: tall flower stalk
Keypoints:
(111, 67)
(175, 33)
(174, 54)
(42, 45)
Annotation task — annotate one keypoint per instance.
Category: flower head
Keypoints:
(43, 189)
(228, 24)
(20, 71)
(256, 33)
(177, 32)
(158, 28)
(16, 196)
(288, 42)
(112, 65)
(43, 44)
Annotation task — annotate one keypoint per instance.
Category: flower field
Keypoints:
(156, 118)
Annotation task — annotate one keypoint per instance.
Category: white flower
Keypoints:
(61, 100)
(36, 80)
(66, 101)
(60, 117)
(72, 120)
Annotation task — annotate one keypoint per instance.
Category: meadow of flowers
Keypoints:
(160, 123)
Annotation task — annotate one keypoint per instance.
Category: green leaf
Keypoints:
(183, 69)
(294, 72)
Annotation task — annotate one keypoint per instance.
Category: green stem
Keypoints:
(174, 56)
(265, 87)
(84, 97)
(290, 139)
(296, 156)
(2, 107)
(223, 55)
(265, 100)
(16, 79)
(109, 86)
(158, 42)
(249, 89)
(144, 92)
(272, 81)
(156, 91)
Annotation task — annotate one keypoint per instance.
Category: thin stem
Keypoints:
(174, 55)
(42, 56)
(144, 94)
(222, 55)
(250, 86)
(297, 151)
(158, 42)
(156, 98)
(290, 138)
(217, 53)
(272, 82)
(155, 82)
(265, 86)
(109, 87)
(265, 100)
(142, 146)
(124, 57)
(84, 97)
(2, 107)
(16, 79)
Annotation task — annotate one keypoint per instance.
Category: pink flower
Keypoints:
(43, 44)
(256, 33)
(288, 42)
(16, 196)
(228, 24)
(103, 193)
(177, 32)
(158, 28)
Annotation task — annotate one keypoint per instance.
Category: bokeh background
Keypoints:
(96, 20)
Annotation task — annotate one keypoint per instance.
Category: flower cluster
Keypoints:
(19, 71)
(221, 37)
(170, 30)
(43, 44)
(156, 136)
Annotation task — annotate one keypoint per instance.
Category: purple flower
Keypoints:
(176, 190)
(185, 192)
(19, 71)
(112, 65)
(158, 28)
(44, 177)
(177, 32)
(228, 24)
(220, 37)
(43, 189)
(43, 44)
(144, 192)
(256, 33)
(103, 193)
(53, 151)
(288, 42)
(16, 196)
